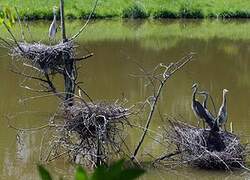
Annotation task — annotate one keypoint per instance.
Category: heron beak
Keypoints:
(194, 85)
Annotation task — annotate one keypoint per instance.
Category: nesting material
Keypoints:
(91, 132)
(43, 56)
(199, 147)
(87, 118)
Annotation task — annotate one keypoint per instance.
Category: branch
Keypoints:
(85, 25)
(8, 29)
(166, 75)
(84, 57)
(20, 24)
(64, 38)
(51, 85)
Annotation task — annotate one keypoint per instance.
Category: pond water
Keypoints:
(222, 60)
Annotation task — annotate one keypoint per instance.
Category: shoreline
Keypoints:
(141, 9)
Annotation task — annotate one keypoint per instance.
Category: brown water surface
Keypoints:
(221, 61)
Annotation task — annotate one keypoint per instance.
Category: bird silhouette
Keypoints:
(199, 111)
(53, 27)
(222, 114)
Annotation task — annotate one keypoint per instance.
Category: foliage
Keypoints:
(114, 172)
(44, 174)
(37, 9)
(135, 11)
(6, 16)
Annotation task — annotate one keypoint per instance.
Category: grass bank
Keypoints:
(79, 9)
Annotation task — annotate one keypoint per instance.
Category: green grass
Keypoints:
(42, 9)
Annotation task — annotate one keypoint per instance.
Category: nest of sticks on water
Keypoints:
(197, 147)
(44, 57)
(90, 133)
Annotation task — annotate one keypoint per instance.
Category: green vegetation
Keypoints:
(37, 9)
(114, 172)
(6, 17)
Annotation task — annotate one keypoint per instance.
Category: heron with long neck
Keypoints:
(53, 28)
(196, 106)
(222, 114)
(212, 122)
(205, 94)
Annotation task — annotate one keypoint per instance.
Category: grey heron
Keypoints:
(53, 28)
(222, 114)
(199, 111)
(212, 123)
(205, 94)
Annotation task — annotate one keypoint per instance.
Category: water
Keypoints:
(221, 61)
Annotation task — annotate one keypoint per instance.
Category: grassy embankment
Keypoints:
(42, 9)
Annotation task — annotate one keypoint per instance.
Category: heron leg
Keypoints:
(198, 123)
(225, 127)
(204, 125)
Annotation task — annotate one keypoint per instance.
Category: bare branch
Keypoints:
(85, 25)
(166, 76)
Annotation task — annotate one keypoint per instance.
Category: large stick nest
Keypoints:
(43, 56)
(90, 131)
(197, 149)
(87, 118)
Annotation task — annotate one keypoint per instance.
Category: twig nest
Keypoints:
(90, 132)
(88, 118)
(207, 149)
(43, 56)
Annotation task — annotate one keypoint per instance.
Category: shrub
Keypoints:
(135, 11)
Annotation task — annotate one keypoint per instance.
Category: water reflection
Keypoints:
(222, 61)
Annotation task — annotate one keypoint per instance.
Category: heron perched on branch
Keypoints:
(199, 110)
(222, 114)
(53, 27)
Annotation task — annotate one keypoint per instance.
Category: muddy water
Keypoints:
(221, 61)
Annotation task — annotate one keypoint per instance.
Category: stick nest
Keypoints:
(43, 56)
(90, 132)
(197, 149)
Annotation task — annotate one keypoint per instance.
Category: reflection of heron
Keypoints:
(197, 108)
(53, 28)
(222, 114)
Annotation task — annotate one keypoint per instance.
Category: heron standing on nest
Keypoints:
(197, 108)
(213, 124)
(53, 28)
(222, 114)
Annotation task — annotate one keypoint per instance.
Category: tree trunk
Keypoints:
(69, 69)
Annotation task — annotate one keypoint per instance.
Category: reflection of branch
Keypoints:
(168, 72)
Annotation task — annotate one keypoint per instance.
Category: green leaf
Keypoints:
(100, 173)
(1, 21)
(8, 23)
(44, 174)
(81, 174)
(115, 169)
(9, 16)
(131, 173)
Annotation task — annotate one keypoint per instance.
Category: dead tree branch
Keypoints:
(167, 74)
(87, 22)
